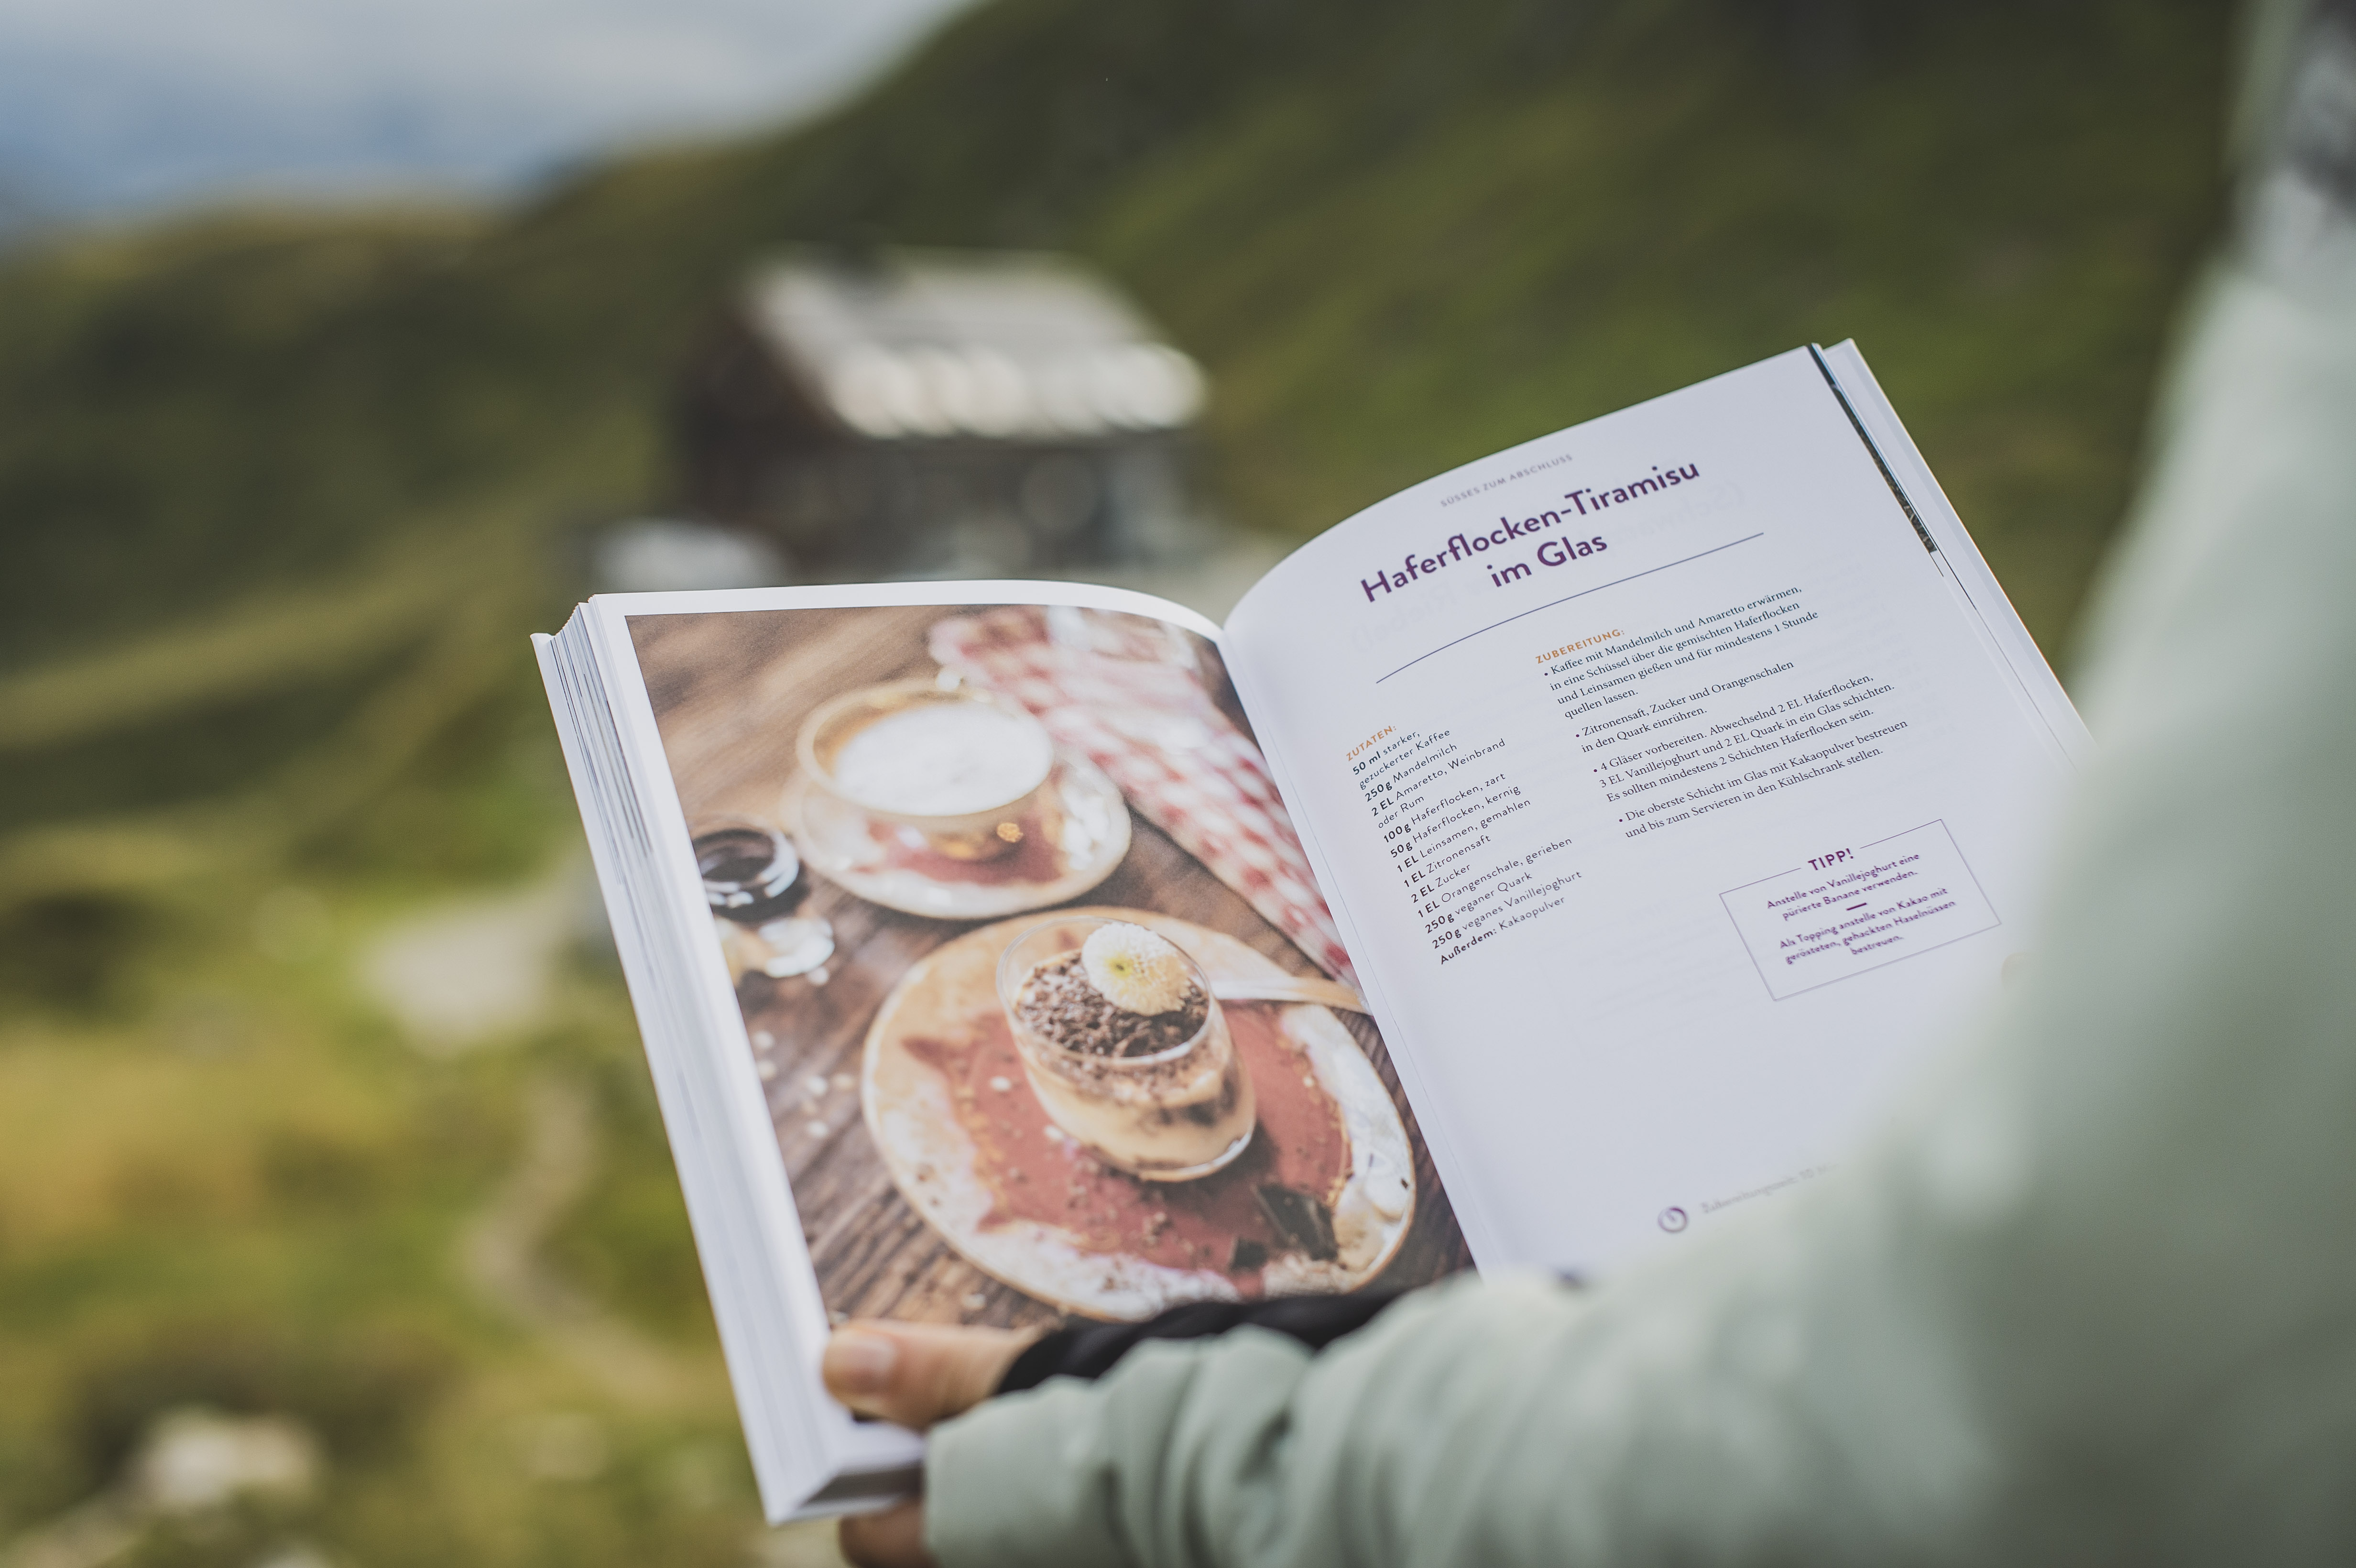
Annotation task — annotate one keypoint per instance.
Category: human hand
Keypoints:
(913, 1374)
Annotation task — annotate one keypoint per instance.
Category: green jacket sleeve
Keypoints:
(2089, 1297)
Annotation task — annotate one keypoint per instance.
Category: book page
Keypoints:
(1672, 796)
(910, 828)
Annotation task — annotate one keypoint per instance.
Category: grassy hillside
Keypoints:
(280, 493)
(1400, 238)
(2000, 211)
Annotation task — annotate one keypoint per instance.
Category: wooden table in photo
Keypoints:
(729, 692)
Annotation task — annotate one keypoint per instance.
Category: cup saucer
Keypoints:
(1074, 836)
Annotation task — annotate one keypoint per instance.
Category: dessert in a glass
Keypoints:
(1125, 1047)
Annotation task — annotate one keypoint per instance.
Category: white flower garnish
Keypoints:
(1137, 971)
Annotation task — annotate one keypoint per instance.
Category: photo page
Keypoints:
(1048, 1013)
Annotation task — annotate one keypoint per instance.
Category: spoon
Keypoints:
(1291, 988)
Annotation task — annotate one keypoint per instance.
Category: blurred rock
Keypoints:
(655, 555)
(190, 1462)
(461, 975)
(195, 1459)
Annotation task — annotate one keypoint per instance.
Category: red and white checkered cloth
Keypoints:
(1149, 723)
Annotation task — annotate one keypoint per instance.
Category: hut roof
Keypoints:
(1010, 346)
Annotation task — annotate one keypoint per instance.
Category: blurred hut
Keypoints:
(940, 412)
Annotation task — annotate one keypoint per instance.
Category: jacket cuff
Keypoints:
(1022, 1479)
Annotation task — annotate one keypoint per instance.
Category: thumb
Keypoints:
(917, 1374)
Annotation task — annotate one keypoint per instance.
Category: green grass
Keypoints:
(252, 1196)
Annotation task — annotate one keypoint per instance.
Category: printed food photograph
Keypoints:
(1050, 1016)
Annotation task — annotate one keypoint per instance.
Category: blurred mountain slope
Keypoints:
(2001, 205)
(1399, 236)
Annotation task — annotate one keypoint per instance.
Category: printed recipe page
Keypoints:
(1670, 800)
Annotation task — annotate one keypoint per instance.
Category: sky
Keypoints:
(118, 107)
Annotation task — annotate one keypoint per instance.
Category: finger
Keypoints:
(917, 1374)
(892, 1539)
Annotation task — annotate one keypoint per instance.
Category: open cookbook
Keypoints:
(1540, 867)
